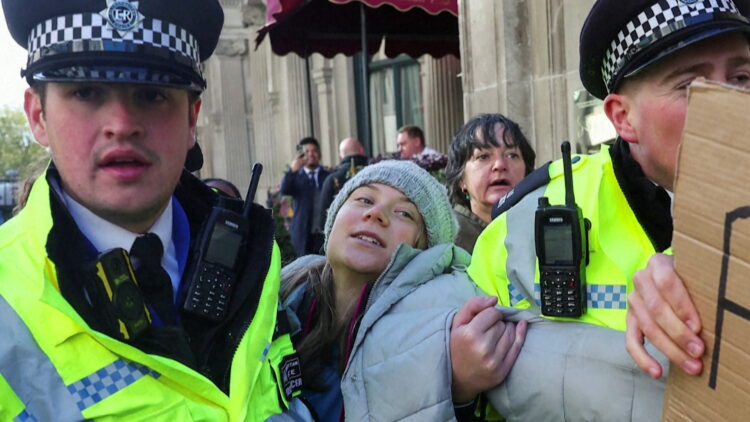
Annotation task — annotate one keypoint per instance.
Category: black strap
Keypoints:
(650, 203)
(154, 281)
(282, 323)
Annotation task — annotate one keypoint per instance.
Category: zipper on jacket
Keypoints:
(255, 300)
(354, 324)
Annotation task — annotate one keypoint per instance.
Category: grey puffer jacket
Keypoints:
(570, 371)
(399, 368)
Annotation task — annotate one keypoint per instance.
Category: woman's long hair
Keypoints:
(325, 332)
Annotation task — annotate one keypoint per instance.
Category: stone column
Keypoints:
(322, 76)
(480, 35)
(230, 155)
(295, 100)
(520, 58)
(549, 91)
(276, 103)
(226, 129)
(442, 96)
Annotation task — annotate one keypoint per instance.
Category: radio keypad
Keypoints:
(559, 293)
(210, 296)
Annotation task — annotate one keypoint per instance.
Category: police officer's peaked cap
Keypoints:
(622, 37)
(161, 42)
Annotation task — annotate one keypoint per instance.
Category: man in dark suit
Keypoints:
(302, 182)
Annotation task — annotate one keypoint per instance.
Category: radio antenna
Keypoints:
(254, 179)
(570, 199)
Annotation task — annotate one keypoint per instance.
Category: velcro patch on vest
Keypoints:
(291, 375)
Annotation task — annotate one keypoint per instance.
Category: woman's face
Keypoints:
(372, 222)
(490, 173)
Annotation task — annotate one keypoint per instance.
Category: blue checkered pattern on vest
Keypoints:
(107, 381)
(599, 296)
(24, 416)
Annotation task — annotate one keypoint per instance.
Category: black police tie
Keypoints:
(154, 281)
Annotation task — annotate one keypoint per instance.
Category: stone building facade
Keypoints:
(518, 57)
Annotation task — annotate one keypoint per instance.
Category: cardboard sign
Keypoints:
(712, 253)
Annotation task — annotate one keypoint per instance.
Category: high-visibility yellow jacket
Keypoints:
(53, 366)
(504, 262)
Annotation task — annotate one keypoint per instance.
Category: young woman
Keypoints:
(375, 316)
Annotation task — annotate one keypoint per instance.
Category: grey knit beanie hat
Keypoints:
(415, 183)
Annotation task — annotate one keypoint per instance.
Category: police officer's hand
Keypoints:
(300, 160)
(660, 308)
(483, 347)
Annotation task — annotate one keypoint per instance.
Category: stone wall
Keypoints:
(520, 58)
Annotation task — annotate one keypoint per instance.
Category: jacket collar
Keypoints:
(466, 212)
(408, 269)
(650, 203)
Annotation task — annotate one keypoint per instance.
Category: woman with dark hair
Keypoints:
(488, 156)
(387, 324)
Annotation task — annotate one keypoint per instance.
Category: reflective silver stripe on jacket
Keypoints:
(30, 373)
(520, 265)
(599, 296)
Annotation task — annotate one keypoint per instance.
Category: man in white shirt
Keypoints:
(411, 143)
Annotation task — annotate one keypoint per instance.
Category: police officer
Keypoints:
(114, 94)
(639, 57)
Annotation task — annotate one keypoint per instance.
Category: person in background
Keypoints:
(303, 182)
(35, 170)
(353, 159)
(224, 186)
(95, 268)
(375, 317)
(411, 144)
(488, 156)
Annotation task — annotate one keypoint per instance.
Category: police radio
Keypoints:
(561, 235)
(214, 273)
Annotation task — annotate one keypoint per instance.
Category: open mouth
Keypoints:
(500, 182)
(125, 166)
(369, 238)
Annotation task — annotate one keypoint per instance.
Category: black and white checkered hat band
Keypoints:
(654, 23)
(90, 32)
(130, 75)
